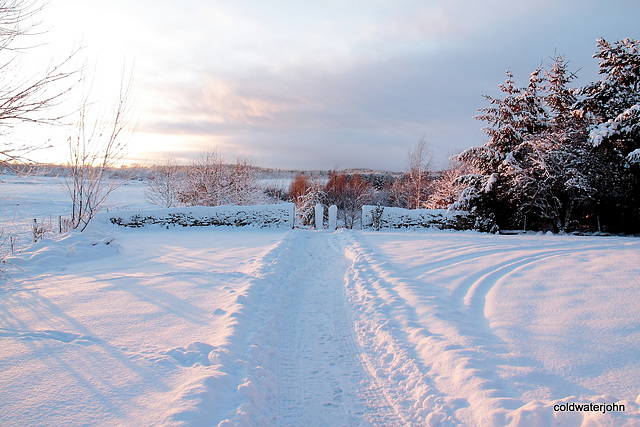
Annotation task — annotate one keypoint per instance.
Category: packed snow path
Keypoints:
(321, 379)
(304, 366)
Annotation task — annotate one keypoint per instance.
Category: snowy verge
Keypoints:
(59, 251)
(378, 217)
(278, 215)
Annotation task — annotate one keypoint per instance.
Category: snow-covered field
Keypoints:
(248, 326)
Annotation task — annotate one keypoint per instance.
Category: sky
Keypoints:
(319, 84)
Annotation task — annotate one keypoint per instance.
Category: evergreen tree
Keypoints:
(558, 156)
(612, 108)
(560, 98)
(512, 121)
(613, 103)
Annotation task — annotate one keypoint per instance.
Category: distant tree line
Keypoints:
(349, 191)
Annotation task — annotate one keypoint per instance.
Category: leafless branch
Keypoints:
(28, 99)
(95, 147)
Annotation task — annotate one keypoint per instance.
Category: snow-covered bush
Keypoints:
(306, 205)
(376, 217)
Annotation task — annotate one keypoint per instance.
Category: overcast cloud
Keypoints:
(323, 84)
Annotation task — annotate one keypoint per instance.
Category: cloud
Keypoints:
(319, 83)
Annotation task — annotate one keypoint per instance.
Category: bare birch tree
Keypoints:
(165, 184)
(418, 162)
(95, 147)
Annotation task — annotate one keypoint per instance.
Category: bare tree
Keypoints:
(348, 193)
(206, 181)
(27, 99)
(209, 181)
(299, 187)
(95, 147)
(418, 162)
(164, 186)
(244, 188)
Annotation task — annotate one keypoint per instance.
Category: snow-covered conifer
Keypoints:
(560, 98)
(511, 123)
(612, 107)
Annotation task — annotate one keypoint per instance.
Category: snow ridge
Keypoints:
(385, 325)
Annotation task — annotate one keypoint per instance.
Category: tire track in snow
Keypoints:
(481, 283)
(442, 344)
(378, 409)
(387, 327)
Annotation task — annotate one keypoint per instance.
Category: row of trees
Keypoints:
(210, 181)
(559, 157)
(350, 191)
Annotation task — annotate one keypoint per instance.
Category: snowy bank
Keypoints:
(378, 217)
(278, 215)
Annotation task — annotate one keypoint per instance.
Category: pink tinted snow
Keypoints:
(201, 326)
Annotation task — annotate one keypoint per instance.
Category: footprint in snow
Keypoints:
(197, 353)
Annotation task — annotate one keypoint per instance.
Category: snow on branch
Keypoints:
(626, 123)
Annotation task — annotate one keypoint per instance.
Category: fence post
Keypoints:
(319, 216)
(333, 217)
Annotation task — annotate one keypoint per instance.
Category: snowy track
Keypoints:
(316, 365)
(318, 373)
